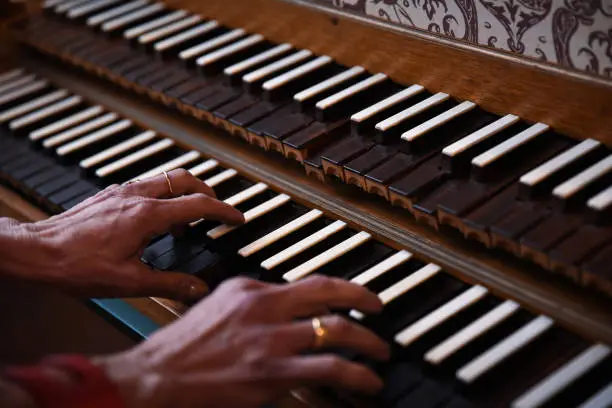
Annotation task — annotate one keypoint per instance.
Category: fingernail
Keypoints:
(198, 291)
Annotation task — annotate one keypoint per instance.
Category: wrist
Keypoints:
(23, 252)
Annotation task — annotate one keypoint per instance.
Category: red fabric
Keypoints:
(86, 385)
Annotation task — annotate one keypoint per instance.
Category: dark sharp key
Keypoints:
(370, 159)
(183, 89)
(253, 113)
(78, 189)
(399, 378)
(124, 67)
(578, 247)
(157, 249)
(459, 403)
(109, 58)
(235, 106)
(42, 164)
(419, 181)
(507, 231)
(192, 98)
(313, 138)
(279, 127)
(40, 178)
(545, 235)
(78, 200)
(46, 189)
(181, 250)
(597, 272)
(478, 221)
(378, 179)
(345, 150)
(167, 83)
(200, 263)
(428, 394)
(220, 97)
(142, 71)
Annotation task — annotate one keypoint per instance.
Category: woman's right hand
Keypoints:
(246, 344)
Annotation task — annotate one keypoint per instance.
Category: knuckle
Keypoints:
(181, 173)
(339, 323)
(241, 283)
(333, 364)
(320, 282)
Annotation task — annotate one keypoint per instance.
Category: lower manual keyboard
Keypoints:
(454, 344)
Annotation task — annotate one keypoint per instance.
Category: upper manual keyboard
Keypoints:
(509, 184)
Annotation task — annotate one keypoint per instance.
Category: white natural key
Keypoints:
(246, 194)
(88, 8)
(204, 167)
(170, 29)
(563, 377)
(509, 145)
(276, 66)
(118, 149)
(68, 5)
(45, 112)
(471, 332)
(296, 73)
(280, 233)
(437, 121)
(52, 3)
(243, 66)
(65, 123)
(328, 84)
(186, 35)
(222, 177)
(94, 137)
(22, 91)
(386, 103)
(403, 286)
(115, 12)
(171, 165)
(303, 245)
(480, 135)
(411, 111)
(211, 44)
(18, 82)
(434, 319)
(153, 24)
(134, 158)
(601, 201)
(34, 104)
(351, 91)
(381, 268)
(504, 349)
(240, 197)
(228, 50)
(326, 257)
(250, 215)
(572, 186)
(125, 20)
(603, 398)
(10, 75)
(544, 171)
(78, 131)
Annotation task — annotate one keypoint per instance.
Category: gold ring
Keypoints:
(320, 332)
(169, 182)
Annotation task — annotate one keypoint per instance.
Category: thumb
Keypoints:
(171, 285)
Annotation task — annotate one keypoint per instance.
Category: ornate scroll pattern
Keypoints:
(576, 34)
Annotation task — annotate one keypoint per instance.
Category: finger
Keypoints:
(184, 210)
(169, 285)
(340, 334)
(328, 370)
(182, 183)
(312, 294)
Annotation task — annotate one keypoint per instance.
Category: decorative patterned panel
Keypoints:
(575, 34)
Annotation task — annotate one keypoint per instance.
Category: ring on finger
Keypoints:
(169, 182)
(320, 332)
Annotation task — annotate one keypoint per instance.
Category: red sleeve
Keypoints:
(81, 383)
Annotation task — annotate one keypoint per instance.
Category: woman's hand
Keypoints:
(94, 249)
(243, 346)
